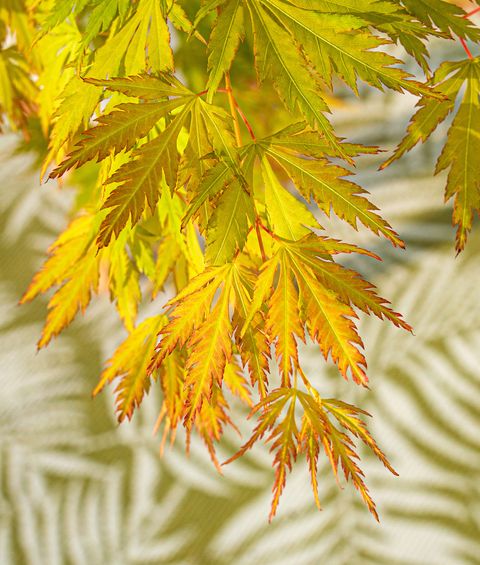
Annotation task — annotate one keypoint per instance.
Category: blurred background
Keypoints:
(77, 488)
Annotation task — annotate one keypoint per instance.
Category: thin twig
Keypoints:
(245, 121)
(465, 46)
(472, 13)
(462, 41)
(237, 107)
(224, 90)
(259, 237)
(233, 107)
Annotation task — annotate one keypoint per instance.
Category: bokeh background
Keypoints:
(76, 488)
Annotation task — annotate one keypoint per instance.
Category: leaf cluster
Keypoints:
(216, 194)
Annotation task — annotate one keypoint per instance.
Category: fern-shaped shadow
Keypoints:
(78, 489)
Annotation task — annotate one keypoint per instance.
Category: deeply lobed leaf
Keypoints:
(229, 228)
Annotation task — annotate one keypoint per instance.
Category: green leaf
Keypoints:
(214, 180)
(445, 15)
(160, 55)
(101, 19)
(318, 179)
(337, 42)
(387, 17)
(461, 148)
(139, 179)
(146, 87)
(223, 43)
(431, 113)
(278, 58)
(288, 217)
(304, 141)
(121, 129)
(352, 289)
(460, 156)
(228, 227)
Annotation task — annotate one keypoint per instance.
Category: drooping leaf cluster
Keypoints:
(458, 81)
(215, 194)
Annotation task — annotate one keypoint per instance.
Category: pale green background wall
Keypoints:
(77, 489)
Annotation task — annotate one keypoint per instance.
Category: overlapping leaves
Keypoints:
(299, 50)
(183, 202)
(232, 313)
(324, 423)
(463, 139)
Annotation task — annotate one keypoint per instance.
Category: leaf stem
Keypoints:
(462, 41)
(259, 236)
(465, 46)
(270, 232)
(233, 107)
(472, 13)
(245, 121)
(236, 106)
(309, 387)
(224, 90)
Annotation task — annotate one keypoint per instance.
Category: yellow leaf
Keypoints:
(129, 363)
(124, 282)
(74, 295)
(64, 253)
(210, 422)
(283, 322)
(210, 351)
(234, 379)
(329, 322)
(289, 217)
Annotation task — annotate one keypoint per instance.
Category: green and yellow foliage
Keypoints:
(215, 193)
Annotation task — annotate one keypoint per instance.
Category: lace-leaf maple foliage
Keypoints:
(215, 194)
